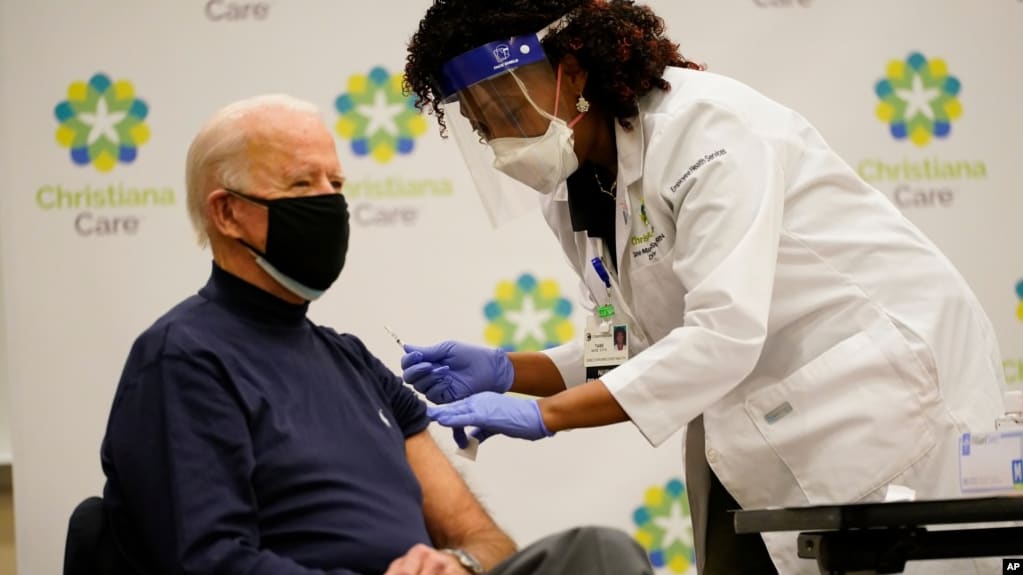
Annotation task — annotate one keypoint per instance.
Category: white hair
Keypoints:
(217, 156)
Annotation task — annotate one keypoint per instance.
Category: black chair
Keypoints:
(91, 548)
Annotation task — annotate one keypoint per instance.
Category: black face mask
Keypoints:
(306, 241)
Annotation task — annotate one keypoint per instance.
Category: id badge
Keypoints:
(605, 346)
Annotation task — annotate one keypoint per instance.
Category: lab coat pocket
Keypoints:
(849, 421)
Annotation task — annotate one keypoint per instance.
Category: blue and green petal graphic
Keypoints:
(1019, 295)
(664, 529)
(527, 315)
(377, 118)
(918, 99)
(102, 122)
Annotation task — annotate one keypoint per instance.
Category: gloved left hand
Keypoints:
(493, 413)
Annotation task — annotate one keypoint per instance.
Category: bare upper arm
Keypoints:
(453, 514)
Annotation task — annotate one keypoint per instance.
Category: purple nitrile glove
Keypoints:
(453, 370)
(492, 413)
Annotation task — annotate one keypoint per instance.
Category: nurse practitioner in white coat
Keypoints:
(817, 345)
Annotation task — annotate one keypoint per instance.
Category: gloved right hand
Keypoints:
(453, 370)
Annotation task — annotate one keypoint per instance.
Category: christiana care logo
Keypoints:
(918, 98)
(527, 315)
(377, 118)
(380, 122)
(664, 528)
(1019, 300)
(103, 124)
(1013, 366)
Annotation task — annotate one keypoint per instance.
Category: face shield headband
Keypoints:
(493, 59)
(501, 101)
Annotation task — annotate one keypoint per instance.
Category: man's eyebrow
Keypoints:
(295, 174)
(304, 172)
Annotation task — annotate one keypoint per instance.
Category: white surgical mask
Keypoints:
(542, 162)
(545, 161)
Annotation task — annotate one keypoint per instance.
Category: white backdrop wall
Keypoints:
(5, 423)
(78, 286)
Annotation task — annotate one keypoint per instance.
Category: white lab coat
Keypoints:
(830, 347)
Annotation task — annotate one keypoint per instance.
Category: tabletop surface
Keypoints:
(895, 514)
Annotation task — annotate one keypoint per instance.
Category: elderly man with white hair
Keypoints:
(245, 439)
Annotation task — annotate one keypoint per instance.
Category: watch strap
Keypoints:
(465, 559)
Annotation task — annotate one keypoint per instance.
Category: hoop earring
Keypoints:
(582, 104)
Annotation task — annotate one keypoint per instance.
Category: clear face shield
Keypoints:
(504, 105)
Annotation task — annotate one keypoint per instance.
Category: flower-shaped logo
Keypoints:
(377, 118)
(1019, 295)
(664, 528)
(102, 122)
(527, 315)
(918, 99)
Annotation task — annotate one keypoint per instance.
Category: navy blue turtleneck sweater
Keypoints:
(245, 439)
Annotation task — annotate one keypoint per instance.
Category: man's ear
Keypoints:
(221, 214)
(573, 75)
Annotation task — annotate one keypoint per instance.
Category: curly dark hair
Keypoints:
(619, 43)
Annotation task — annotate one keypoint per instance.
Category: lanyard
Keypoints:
(605, 346)
(607, 310)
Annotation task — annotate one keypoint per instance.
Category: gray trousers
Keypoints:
(579, 551)
(719, 550)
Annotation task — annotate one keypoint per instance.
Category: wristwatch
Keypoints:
(466, 560)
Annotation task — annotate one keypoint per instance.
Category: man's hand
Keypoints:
(423, 560)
